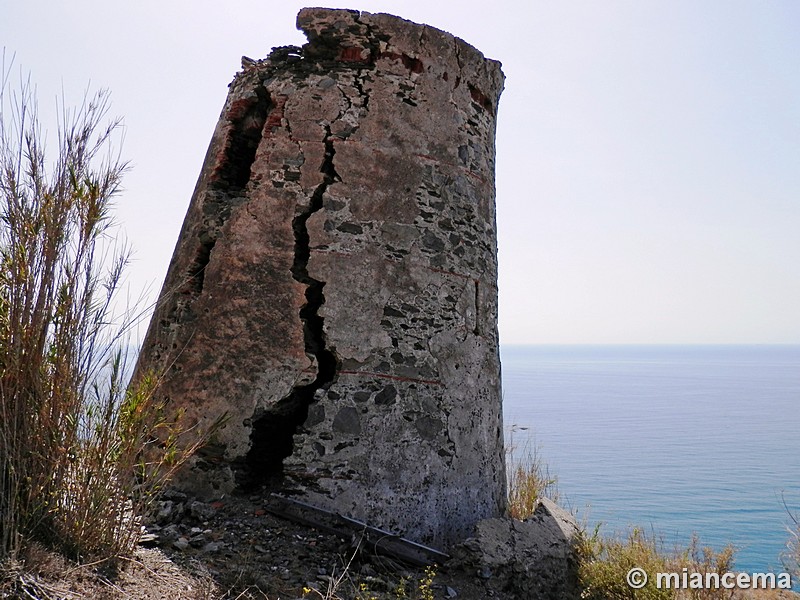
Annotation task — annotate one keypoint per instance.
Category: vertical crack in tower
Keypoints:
(272, 432)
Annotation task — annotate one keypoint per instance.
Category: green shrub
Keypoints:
(605, 563)
(704, 559)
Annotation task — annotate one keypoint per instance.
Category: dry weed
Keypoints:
(529, 478)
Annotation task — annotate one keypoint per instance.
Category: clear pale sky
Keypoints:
(648, 153)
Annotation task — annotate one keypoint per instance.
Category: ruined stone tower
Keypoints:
(334, 286)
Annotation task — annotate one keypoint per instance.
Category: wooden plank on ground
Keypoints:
(378, 540)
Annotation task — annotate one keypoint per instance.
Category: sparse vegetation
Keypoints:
(342, 587)
(529, 478)
(791, 557)
(81, 453)
(606, 561)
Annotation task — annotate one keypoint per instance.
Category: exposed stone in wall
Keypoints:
(334, 286)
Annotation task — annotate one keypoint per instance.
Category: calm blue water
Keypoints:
(677, 439)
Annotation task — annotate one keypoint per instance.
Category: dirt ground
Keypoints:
(236, 549)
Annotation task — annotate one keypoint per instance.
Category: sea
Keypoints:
(675, 440)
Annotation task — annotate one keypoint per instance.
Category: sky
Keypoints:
(648, 152)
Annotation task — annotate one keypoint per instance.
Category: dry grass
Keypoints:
(528, 478)
(606, 561)
(148, 575)
(791, 557)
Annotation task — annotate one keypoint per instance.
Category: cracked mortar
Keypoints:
(333, 288)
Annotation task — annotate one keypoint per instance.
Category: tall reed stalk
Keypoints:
(81, 455)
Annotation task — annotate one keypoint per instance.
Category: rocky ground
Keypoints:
(244, 549)
(236, 549)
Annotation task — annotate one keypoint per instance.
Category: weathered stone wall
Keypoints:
(334, 290)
